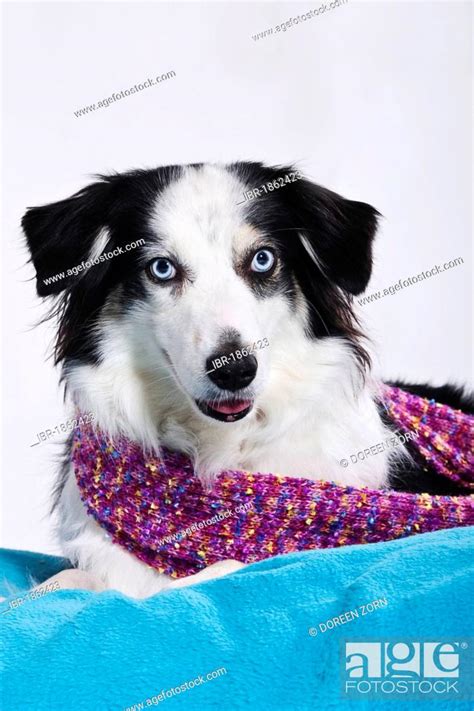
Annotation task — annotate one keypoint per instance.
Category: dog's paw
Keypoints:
(217, 570)
(73, 579)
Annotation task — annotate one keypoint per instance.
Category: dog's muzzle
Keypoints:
(231, 371)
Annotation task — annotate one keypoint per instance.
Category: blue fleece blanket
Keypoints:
(271, 636)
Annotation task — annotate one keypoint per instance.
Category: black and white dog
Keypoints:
(223, 263)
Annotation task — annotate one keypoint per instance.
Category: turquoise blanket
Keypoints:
(271, 636)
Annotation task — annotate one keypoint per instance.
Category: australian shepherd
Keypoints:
(226, 259)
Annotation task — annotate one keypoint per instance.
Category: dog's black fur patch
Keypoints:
(61, 235)
(341, 233)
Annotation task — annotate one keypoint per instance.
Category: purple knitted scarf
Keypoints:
(156, 508)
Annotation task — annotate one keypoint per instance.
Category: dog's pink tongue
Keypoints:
(230, 407)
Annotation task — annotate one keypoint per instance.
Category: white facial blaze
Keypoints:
(198, 223)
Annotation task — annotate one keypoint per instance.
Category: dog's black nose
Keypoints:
(230, 369)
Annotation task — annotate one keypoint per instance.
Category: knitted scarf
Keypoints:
(156, 508)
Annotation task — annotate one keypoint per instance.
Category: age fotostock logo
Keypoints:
(428, 669)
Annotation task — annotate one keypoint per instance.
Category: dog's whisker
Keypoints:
(313, 307)
(152, 381)
(289, 229)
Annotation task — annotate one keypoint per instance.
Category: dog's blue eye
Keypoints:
(162, 269)
(263, 261)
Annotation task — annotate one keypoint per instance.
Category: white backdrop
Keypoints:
(371, 99)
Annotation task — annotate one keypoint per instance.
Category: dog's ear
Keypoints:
(61, 235)
(337, 234)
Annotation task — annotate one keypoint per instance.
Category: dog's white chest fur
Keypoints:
(309, 418)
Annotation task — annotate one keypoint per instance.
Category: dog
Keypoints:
(160, 278)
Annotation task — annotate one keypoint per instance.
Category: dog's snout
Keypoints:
(231, 368)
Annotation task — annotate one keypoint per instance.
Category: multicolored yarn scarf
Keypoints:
(444, 437)
(156, 507)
